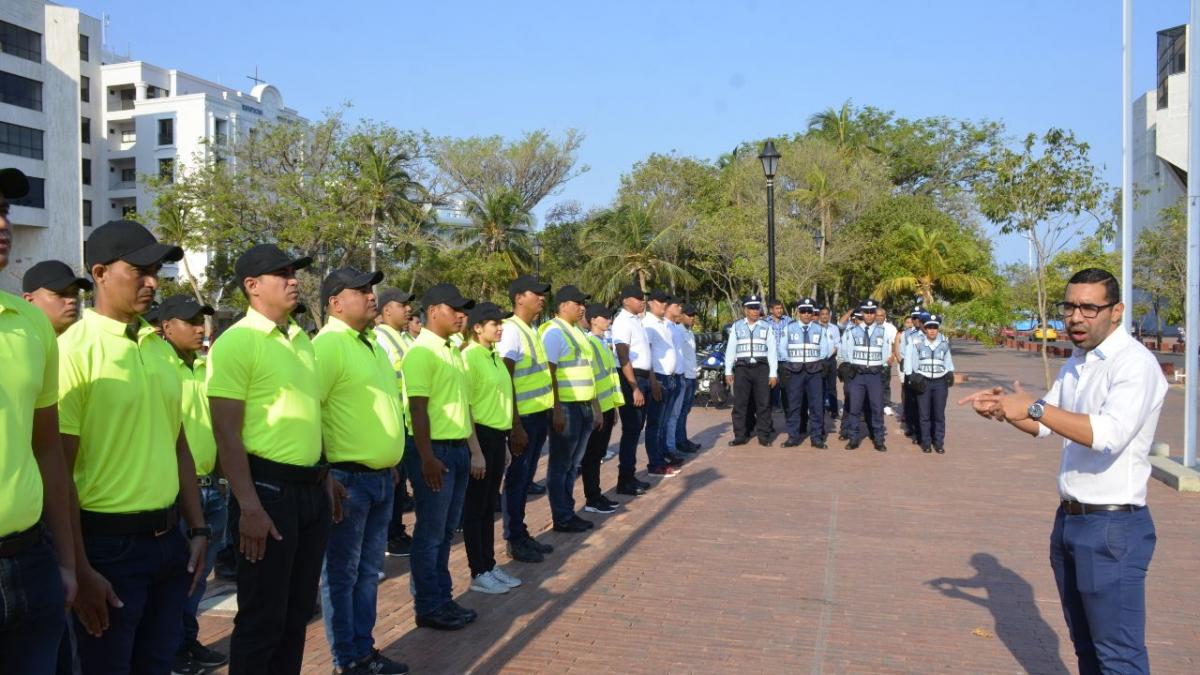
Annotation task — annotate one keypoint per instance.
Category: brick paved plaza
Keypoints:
(774, 560)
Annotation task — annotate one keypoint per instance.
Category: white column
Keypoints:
(1192, 358)
(1127, 244)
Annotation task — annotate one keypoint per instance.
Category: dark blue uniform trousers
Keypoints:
(866, 399)
(932, 406)
(805, 393)
(1100, 562)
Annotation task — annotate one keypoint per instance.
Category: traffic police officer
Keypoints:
(910, 336)
(930, 368)
(803, 349)
(778, 319)
(863, 355)
(833, 335)
(751, 352)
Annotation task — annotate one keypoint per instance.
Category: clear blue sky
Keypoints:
(692, 77)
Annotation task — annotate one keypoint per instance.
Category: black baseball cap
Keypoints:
(347, 277)
(13, 183)
(128, 241)
(807, 303)
(182, 307)
(599, 309)
(299, 309)
(571, 294)
(633, 291)
(659, 295)
(386, 295)
(54, 275)
(689, 309)
(151, 315)
(752, 300)
(446, 294)
(264, 258)
(486, 311)
(527, 283)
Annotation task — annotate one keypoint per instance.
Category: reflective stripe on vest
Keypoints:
(931, 362)
(576, 382)
(398, 353)
(531, 376)
(800, 350)
(608, 387)
(868, 347)
(750, 343)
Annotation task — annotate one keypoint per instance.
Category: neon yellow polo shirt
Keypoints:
(197, 419)
(491, 387)
(275, 374)
(28, 382)
(361, 419)
(123, 400)
(434, 369)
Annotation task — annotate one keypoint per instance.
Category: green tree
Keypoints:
(532, 167)
(625, 246)
(382, 163)
(499, 227)
(929, 266)
(1160, 265)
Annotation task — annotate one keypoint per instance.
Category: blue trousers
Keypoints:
(670, 412)
(32, 620)
(216, 516)
(519, 474)
(438, 514)
(805, 391)
(866, 398)
(633, 420)
(1100, 562)
(566, 452)
(683, 406)
(353, 561)
(656, 448)
(932, 406)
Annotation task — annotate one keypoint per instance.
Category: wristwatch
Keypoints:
(193, 532)
(1036, 410)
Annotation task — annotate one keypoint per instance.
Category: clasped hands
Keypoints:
(995, 404)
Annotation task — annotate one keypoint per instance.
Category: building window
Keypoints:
(37, 194)
(20, 141)
(85, 129)
(128, 135)
(1172, 58)
(87, 171)
(20, 91)
(166, 132)
(129, 211)
(166, 169)
(87, 213)
(85, 88)
(20, 42)
(84, 43)
(220, 131)
(128, 175)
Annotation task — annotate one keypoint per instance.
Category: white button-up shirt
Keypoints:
(685, 341)
(663, 354)
(1120, 386)
(627, 329)
(834, 337)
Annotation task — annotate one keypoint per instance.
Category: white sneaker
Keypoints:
(486, 583)
(887, 410)
(612, 452)
(505, 578)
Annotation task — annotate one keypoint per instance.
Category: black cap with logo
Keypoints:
(347, 277)
(600, 310)
(571, 294)
(446, 294)
(660, 295)
(386, 295)
(486, 311)
(128, 241)
(633, 291)
(264, 258)
(527, 283)
(53, 275)
(182, 307)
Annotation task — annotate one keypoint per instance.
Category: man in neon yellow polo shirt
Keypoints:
(363, 428)
(182, 321)
(391, 333)
(266, 407)
(435, 378)
(53, 287)
(119, 414)
(33, 478)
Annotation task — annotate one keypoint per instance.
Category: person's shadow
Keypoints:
(1019, 623)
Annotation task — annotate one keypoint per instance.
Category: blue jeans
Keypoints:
(677, 422)
(32, 620)
(633, 419)
(216, 516)
(566, 451)
(149, 574)
(353, 561)
(656, 423)
(437, 514)
(519, 474)
(1100, 562)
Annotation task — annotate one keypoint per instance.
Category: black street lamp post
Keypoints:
(770, 161)
(537, 258)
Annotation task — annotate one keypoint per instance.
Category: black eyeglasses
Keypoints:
(1089, 311)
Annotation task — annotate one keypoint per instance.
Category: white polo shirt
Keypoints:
(1120, 386)
(663, 354)
(685, 340)
(627, 329)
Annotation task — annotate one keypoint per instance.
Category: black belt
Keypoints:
(153, 523)
(453, 442)
(640, 372)
(355, 467)
(288, 473)
(749, 362)
(1074, 508)
(13, 545)
(870, 370)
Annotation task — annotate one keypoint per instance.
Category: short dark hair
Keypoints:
(776, 303)
(1095, 275)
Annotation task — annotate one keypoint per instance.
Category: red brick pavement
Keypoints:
(774, 560)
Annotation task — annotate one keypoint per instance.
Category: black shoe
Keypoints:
(183, 664)
(537, 489)
(852, 445)
(643, 484)
(843, 437)
(400, 547)
(764, 442)
(521, 551)
(599, 506)
(695, 447)
(792, 442)
(939, 449)
(926, 449)
(739, 441)
(880, 447)
(542, 548)
(378, 663)
(209, 658)
(570, 527)
(611, 502)
(630, 488)
(820, 445)
(468, 615)
(442, 618)
(582, 522)
(686, 448)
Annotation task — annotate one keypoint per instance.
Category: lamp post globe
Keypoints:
(537, 257)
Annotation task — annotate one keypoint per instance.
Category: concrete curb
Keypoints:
(1174, 474)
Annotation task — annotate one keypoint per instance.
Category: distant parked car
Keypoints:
(1051, 334)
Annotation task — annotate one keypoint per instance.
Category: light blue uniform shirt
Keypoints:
(751, 342)
(928, 358)
(804, 343)
(864, 346)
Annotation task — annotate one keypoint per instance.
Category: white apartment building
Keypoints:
(1160, 134)
(50, 112)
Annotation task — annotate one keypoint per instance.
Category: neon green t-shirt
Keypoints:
(491, 387)
(434, 369)
(197, 419)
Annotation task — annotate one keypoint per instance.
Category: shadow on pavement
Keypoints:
(1019, 623)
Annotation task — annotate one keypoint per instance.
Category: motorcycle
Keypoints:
(711, 382)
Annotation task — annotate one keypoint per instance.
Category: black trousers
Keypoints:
(597, 445)
(479, 505)
(831, 398)
(277, 595)
(886, 377)
(752, 392)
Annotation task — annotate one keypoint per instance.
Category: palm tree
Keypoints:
(840, 128)
(386, 189)
(925, 259)
(499, 225)
(824, 197)
(624, 245)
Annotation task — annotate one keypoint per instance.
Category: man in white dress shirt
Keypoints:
(639, 386)
(1105, 404)
(663, 359)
